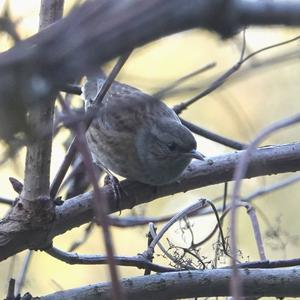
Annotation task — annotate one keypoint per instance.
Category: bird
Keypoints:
(136, 135)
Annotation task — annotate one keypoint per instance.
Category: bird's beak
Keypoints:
(196, 154)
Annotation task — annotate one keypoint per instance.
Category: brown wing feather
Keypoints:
(125, 108)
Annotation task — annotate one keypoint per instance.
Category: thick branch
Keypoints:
(264, 161)
(34, 211)
(115, 28)
(78, 210)
(40, 119)
(63, 51)
(190, 284)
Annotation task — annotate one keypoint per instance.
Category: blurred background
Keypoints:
(266, 89)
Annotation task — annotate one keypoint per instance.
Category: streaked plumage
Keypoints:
(137, 136)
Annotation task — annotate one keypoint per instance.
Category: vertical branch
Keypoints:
(22, 274)
(239, 174)
(38, 157)
(100, 206)
(100, 203)
(50, 12)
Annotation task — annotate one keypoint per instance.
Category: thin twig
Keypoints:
(222, 79)
(90, 259)
(269, 264)
(194, 207)
(272, 188)
(87, 232)
(11, 268)
(213, 136)
(175, 260)
(26, 262)
(149, 241)
(11, 290)
(160, 94)
(257, 231)
(254, 222)
(7, 201)
(132, 221)
(100, 204)
(219, 224)
(111, 77)
(239, 173)
(72, 89)
(72, 149)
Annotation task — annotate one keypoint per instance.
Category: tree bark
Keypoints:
(190, 284)
(16, 236)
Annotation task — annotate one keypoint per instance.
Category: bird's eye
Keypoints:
(172, 146)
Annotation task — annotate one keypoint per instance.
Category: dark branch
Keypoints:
(130, 261)
(191, 284)
(16, 236)
(62, 52)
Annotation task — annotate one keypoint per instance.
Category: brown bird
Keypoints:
(137, 136)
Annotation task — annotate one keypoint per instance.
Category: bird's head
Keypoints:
(166, 148)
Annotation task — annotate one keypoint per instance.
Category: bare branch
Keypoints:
(78, 210)
(70, 155)
(269, 264)
(87, 232)
(99, 201)
(38, 158)
(273, 187)
(256, 230)
(113, 28)
(7, 201)
(23, 272)
(213, 136)
(160, 94)
(190, 209)
(11, 290)
(224, 77)
(130, 261)
(156, 237)
(190, 284)
(239, 174)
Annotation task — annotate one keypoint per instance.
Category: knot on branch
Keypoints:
(27, 222)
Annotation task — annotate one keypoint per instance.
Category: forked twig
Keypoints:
(222, 79)
(86, 259)
(239, 173)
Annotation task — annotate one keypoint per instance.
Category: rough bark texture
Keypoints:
(190, 284)
(40, 119)
(16, 236)
(35, 211)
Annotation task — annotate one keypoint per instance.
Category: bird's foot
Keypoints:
(116, 188)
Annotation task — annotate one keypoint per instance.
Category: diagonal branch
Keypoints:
(62, 52)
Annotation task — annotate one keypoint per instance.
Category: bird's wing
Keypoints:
(125, 108)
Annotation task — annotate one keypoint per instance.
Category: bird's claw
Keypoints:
(116, 188)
